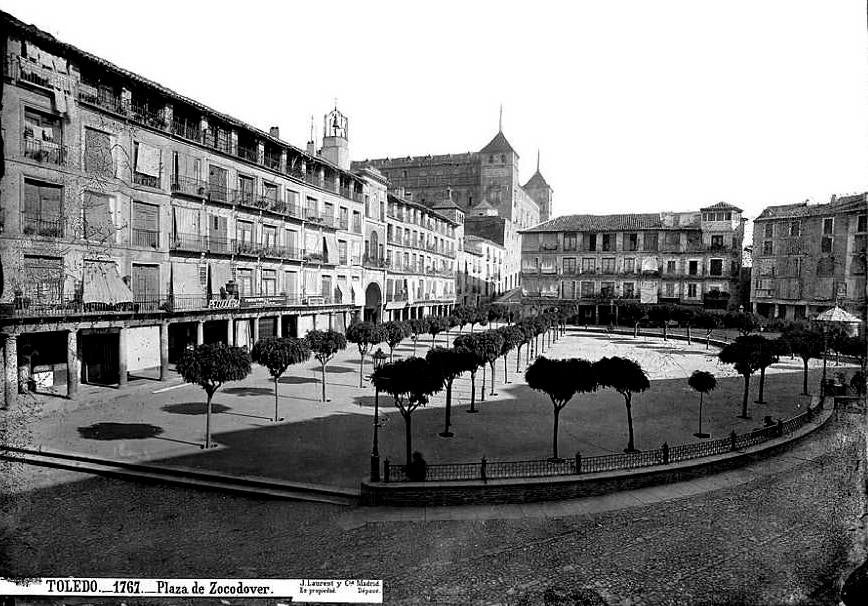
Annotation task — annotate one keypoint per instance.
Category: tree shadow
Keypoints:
(119, 431)
(249, 391)
(340, 369)
(193, 408)
(297, 380)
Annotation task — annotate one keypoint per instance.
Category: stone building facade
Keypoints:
(807, 257)
(599, 261)
(485, 185)
(137, 222)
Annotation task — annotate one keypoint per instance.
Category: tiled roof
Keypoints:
(445, 204)
(722, 206)
(635, 221)
(536, 181)
(497, 145)
(843, 204)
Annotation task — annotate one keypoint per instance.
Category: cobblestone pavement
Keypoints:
(781, 539)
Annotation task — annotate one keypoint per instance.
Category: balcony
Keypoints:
(102, 99)
(315, 256)
(188, 186)
(146, 180)
(147, 115)
(43, 151)
(357, 226)
(188, 242)
(271, 162)
(247, 153)
(323, 220)
(247, 247)
(46, 227)
(186, 129)
(375, 262)
(144, 238)
(393, 297)
(218, 193)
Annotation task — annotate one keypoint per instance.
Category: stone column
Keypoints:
(255, 332)
(200, 332)
(122, 357)
(164, 351)
(230, 332)
(10, 357)
(331, 321)
(279, 327)
(72, 368)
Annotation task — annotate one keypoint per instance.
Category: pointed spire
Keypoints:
(537, 159)
(500, 120)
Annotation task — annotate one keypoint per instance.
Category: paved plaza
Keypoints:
(329, 443)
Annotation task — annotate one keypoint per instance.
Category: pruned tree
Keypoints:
(708, 321)
(661, 315)
(418, 327)
(513, 338)
(210, 366)
(743, 354)
(277, 354)
(526, 336)
(855, 347)
(560, 380)
(491, 344)
(744, 322)
(395, 332)
(436, 325)
(324, 344)
(769, 352)
(685, 316)
(627, 377)
(469, 343)
(450, 364)
(807, 343)
(411, 381)
(702, 382)
(365, 335)
(631, 314)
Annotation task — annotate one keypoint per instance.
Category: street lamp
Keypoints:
(379, 359)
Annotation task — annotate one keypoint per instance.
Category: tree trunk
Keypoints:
(448, 415)
(743, 414)
(759, 399)
(665, 331)
(323, 381)
(518, 359)
(482, 392)
(276, 417)
(636, 330)
(505, 371)
(527, 353)
(433, 336)
(414, 346)
(408, 437)
(492, 378)
(472, 392)
(689, 341)
(208, 420)
(699, 433)
(631, 445)
(805, 377)
(361, 369)
(555, 434)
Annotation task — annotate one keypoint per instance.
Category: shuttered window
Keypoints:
(97, 214)
(98, 158)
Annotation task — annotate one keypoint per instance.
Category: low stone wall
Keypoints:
(416, 494)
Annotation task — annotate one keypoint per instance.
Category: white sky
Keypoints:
(637, 106)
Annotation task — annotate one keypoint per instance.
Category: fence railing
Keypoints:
(485, 470)
(44, 151)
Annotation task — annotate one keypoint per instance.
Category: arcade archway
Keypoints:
(373, 303)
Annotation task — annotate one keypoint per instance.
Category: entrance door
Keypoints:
(100, 359)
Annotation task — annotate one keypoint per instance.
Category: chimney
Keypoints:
(311, 148)
(274, 131)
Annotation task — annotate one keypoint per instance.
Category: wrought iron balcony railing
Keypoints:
(43, 151)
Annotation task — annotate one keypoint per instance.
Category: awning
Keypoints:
(331, 247)
(648, 291)
(185, 280)
(148, 160)
(103, 284)
(358, 295)
(650, 264)
(221, 274)
(396, 305)
(345, 293)
(837, 314)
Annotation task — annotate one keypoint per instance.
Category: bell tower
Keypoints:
(335, 140)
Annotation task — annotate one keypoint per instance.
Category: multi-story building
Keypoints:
(420, 259)
(485, 185)
(136, 222)
(691, 258)
(808, 257)
(480, 275)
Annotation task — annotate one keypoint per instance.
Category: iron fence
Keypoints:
(44, 151)
(485, 470)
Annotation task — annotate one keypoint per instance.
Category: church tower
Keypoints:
(541, 193)
(498, 173)
(335, 140)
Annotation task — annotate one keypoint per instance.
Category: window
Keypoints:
(244, 231)
(862, 223)
(825, 268)
(312, 207)
(290, 283)
(592, 242)
(269, 282)
(587, 289)
(768, 247)
(608, 265)
(716, 267)
(328, 211)
(43, 137)
(245, 190)
(828, 226)
(628, 289)
(145, 281)
(292, 201)
(717, 242)
(357, 222)
(826, 244)
(607, 289)
(608, 242)
(41, 212)
(218, 183)
(326, 286)
(550, 241)
(632, 241)
(795, 228)
(649, 241)
(569, 265)
(270, 192)
(98, 153)
(269, 236)
(570, 241)
(769, 230)
(693, 268)
(669, 289)
(342, 252)
(670, 267)
(691, 291)
(97, 218)
(147, 163)
(43, 278)
(672, 240)
(344, 218)
(245, 282)
(146, 225)
(588, 265)
(629, 265)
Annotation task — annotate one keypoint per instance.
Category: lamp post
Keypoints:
(379, 359)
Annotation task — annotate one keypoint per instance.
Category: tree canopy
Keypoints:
(210, 365)
(279, 353)
(702, 381)
(324, 344)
